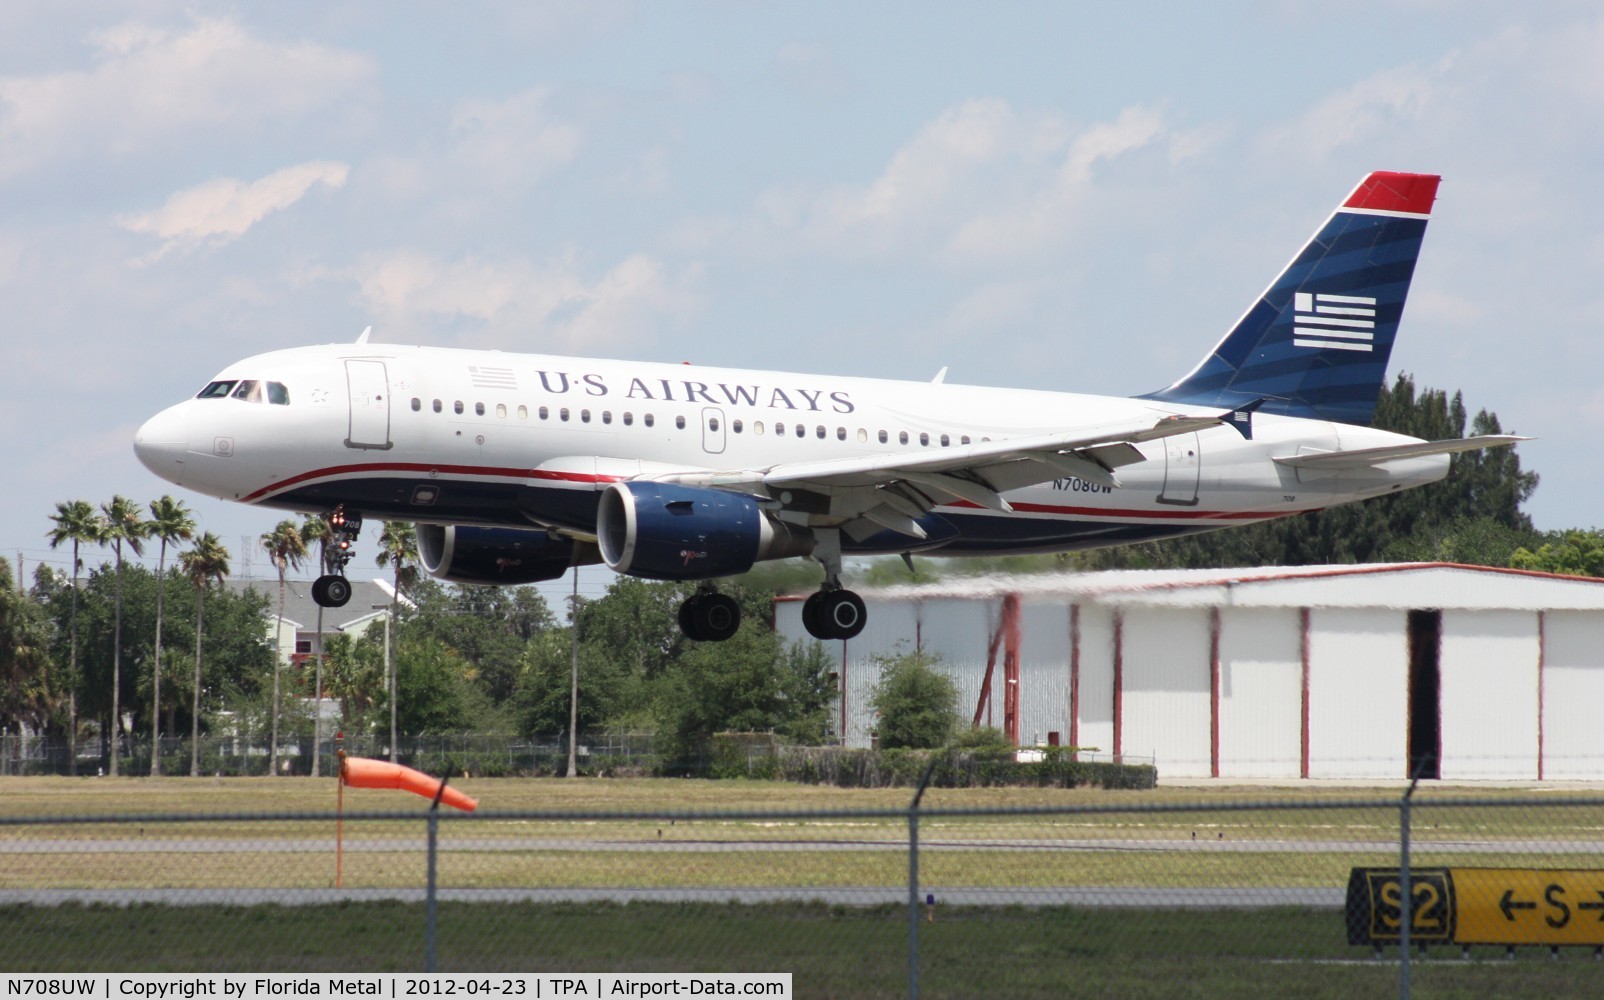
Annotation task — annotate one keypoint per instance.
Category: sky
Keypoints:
(1077, 197)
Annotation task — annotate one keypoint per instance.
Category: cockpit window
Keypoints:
(249, 390)
(216, 390)
(277, 394)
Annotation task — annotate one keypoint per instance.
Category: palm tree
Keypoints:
(169, 521)
(75, 523)
(286, 549)
(206, 562)
(120, 524)
(398, 547)
(316, 529)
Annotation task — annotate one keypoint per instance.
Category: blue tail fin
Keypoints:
(1316, 343)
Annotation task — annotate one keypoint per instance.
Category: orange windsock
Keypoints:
(364, 772)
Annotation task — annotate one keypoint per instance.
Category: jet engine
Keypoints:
(492, 556)
(666, 532)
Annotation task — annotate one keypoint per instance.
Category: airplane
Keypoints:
(517, 467)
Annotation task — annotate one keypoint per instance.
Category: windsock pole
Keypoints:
(339, 821)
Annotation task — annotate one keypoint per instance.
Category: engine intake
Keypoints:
(666, 532)
(492, 556)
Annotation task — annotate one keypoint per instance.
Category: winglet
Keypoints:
(364, 338)
(941, 376)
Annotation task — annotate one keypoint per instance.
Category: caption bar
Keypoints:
(240, 986)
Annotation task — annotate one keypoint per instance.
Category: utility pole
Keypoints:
(573, 689)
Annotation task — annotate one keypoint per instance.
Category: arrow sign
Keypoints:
(1508, 905)
(1599, 906)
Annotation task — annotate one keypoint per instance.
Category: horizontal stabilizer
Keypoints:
(1368, 457)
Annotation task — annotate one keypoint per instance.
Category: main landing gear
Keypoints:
(834, 612)
(709, 616)
(332, 589)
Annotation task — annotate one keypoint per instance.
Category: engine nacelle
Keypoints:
(492, 556)
(667, 532)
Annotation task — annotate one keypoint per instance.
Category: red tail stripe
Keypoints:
(1385, 191)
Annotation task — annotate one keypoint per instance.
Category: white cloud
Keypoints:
(511, 142)
(222, 210)
(1378, 104)
(494, 153)
(149, 83)
(982, 181)
(520, 303)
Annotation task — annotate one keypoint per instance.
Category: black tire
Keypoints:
(717, 617)
(687, 617)
(810, 616)
(842, 613)
(336, 591)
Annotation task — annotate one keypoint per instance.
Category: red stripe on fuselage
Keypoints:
(423, 467)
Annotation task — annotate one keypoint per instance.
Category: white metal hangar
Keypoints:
(1374, 671)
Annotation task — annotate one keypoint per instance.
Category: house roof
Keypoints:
(301, 610)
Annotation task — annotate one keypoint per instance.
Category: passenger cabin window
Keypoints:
(216, 390)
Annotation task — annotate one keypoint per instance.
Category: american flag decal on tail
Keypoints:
(1343, 322)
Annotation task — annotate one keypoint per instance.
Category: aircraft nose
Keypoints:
(162, 442)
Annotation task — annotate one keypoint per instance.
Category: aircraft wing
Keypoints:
(864, 494)
(1368, 457)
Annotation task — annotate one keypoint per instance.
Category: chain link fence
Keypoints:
(962, 893)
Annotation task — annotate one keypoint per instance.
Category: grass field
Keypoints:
(831, 952)
(1102, 838)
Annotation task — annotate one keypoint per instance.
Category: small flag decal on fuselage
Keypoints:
(492, 378)
(1343, 322)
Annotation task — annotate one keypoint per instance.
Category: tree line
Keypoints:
(121, 651)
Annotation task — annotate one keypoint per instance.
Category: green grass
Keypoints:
(831, 952)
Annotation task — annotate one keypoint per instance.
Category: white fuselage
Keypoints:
(483, 437)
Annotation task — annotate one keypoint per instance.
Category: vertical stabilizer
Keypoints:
(1316, 343)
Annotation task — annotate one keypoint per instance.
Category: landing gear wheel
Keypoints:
(331, 591)
(717, 617)
(709, 617)
(843, 613)
(834, 614)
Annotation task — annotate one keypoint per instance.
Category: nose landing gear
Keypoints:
(332, 589)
